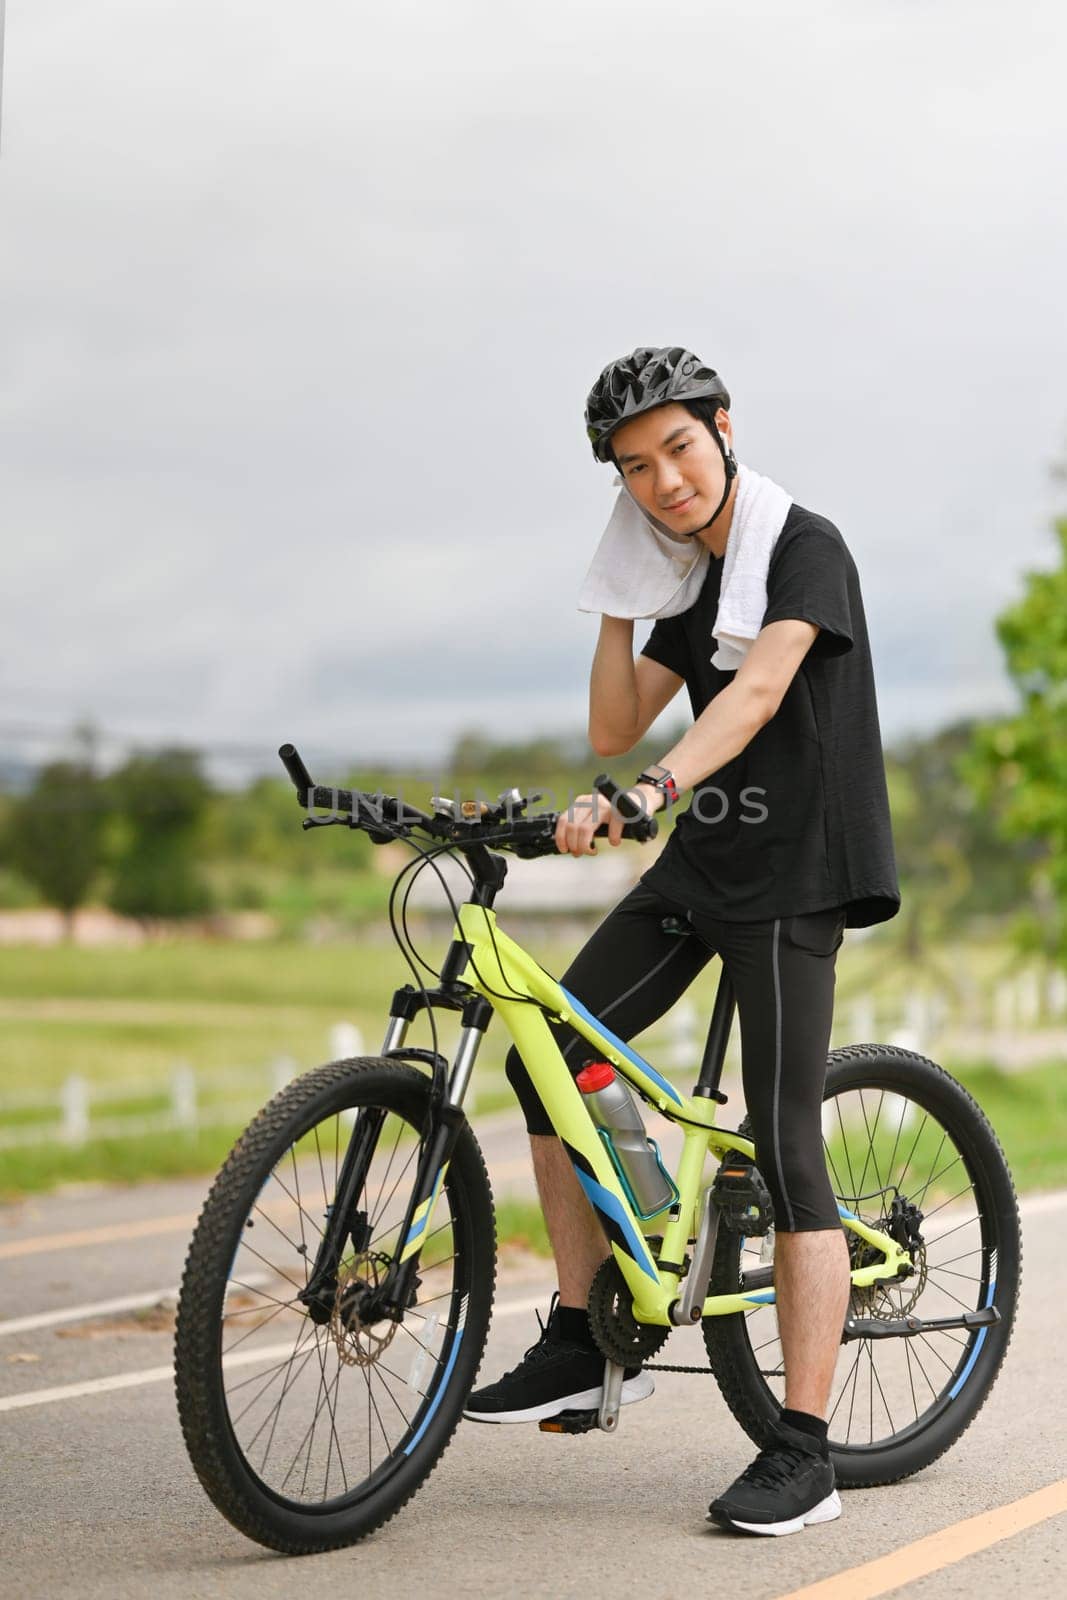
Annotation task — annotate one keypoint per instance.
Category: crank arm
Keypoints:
(690, 1307)
(608, 1415)
(907, 1327)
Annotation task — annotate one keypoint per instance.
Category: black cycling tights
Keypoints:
(646, 954)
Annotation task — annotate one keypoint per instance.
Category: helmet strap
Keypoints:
(729, 461)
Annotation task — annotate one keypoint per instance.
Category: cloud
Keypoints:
(300, 310)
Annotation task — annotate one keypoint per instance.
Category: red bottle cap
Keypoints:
(597, 1075)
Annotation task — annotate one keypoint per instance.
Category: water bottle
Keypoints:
(635, 1156)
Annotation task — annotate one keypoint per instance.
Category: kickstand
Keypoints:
(608, 1416)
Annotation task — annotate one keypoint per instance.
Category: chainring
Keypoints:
(618, 1334)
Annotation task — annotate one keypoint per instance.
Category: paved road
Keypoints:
(98, 1498)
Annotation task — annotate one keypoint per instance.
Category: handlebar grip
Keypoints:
(638, 824)
(618, 797)
(294, 766)
(642, 829)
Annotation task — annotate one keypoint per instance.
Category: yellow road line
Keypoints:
(938, 1550)
(106, 1235)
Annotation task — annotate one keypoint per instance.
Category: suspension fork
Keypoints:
(397, 1290)
(343, 1222)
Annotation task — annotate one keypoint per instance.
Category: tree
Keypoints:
(161, 799)
(1019, 764)
(55, 834)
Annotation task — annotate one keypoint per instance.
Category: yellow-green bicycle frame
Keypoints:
(497, 968)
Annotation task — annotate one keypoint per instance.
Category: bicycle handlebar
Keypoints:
(381, 816)
(294, 766)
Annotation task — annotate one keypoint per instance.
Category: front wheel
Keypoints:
(901, 1138)
(308, 1430)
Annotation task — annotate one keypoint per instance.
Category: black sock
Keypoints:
(804, 1422)
(574, 1326)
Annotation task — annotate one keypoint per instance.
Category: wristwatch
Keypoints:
(661, 778)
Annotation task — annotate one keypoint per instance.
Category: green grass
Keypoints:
(273, 973)
(126, 1017)
(31, 1168)
(1029, 1112)
(129, 1016)
(520, 1223)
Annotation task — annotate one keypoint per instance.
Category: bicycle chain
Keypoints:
(663, 1366)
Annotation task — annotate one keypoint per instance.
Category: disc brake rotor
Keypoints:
(892, 1298)
(359, 1344)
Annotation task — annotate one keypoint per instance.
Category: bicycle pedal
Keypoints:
(570, 1422)
(743, 1199)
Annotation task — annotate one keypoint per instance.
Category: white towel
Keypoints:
(641, 569)
(760, 510)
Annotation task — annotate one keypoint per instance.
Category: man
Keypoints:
(787, 845)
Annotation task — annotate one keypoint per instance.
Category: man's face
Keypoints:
(672, 466)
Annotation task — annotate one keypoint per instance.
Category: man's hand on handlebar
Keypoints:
(579, 823)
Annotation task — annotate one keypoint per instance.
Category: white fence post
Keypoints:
(863, 1022)
(683, 1047)
(74, 1101)
(1029, 1001)
(283, 1071)
(345, 1040)
(183, 1095)
(917, 1018)
(1003, 1006)
(1056, 993)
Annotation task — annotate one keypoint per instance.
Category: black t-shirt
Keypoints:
(799, 821)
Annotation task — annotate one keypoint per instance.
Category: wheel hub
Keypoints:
(360, 1334)
(891, 1298)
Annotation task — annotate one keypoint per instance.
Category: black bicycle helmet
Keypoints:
(647, 377)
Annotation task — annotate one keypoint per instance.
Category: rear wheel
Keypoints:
(307, 1431)
(907, 1148)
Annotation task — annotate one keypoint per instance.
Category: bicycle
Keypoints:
(337, 1292)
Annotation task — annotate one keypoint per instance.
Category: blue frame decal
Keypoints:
(603, 1200)
(624, 1049)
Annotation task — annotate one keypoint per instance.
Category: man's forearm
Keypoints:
(722, 731)
(614, 707)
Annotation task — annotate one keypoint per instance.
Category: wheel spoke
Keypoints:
(844, 1146)
(915, 1145)
(881, 1391)
(917, 1198)
(268, 1378)
(272, 1417)
(270, 1316)
(968, 1190)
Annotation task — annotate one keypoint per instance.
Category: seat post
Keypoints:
(722, 1016)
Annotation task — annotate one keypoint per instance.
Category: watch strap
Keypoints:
(661, 778)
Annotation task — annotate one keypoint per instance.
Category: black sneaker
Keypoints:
(554, 1375)
(790, 1484)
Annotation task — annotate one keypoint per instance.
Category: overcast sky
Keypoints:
(300, 304)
